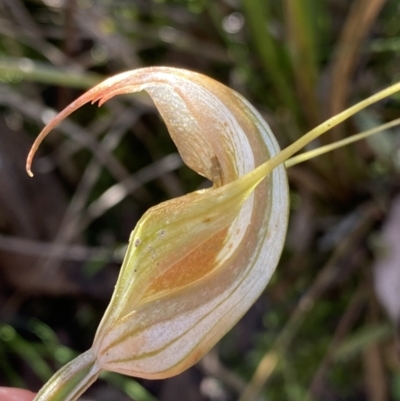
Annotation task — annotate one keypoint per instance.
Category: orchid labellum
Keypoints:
(194, 264)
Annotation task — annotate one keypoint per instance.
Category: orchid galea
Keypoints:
(194, 264)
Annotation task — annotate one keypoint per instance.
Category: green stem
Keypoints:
(327, 148)
(14, 69)
(289, 151)
(253, 178)
(71, 380)
(257, 13)
(300, 41)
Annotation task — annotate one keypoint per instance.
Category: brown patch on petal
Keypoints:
(196, 265)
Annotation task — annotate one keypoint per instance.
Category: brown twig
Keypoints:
(345, 324)
(359, 22)
(31, 247)
(375, 376)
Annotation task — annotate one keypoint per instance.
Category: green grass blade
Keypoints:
(257, 16)
(17, 69)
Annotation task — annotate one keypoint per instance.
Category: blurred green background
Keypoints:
(326, 326)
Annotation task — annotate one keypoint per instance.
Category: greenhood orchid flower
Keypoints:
(197, 263)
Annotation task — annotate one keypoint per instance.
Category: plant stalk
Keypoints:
(72, 380)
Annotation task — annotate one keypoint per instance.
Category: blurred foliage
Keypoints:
(318, 332)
